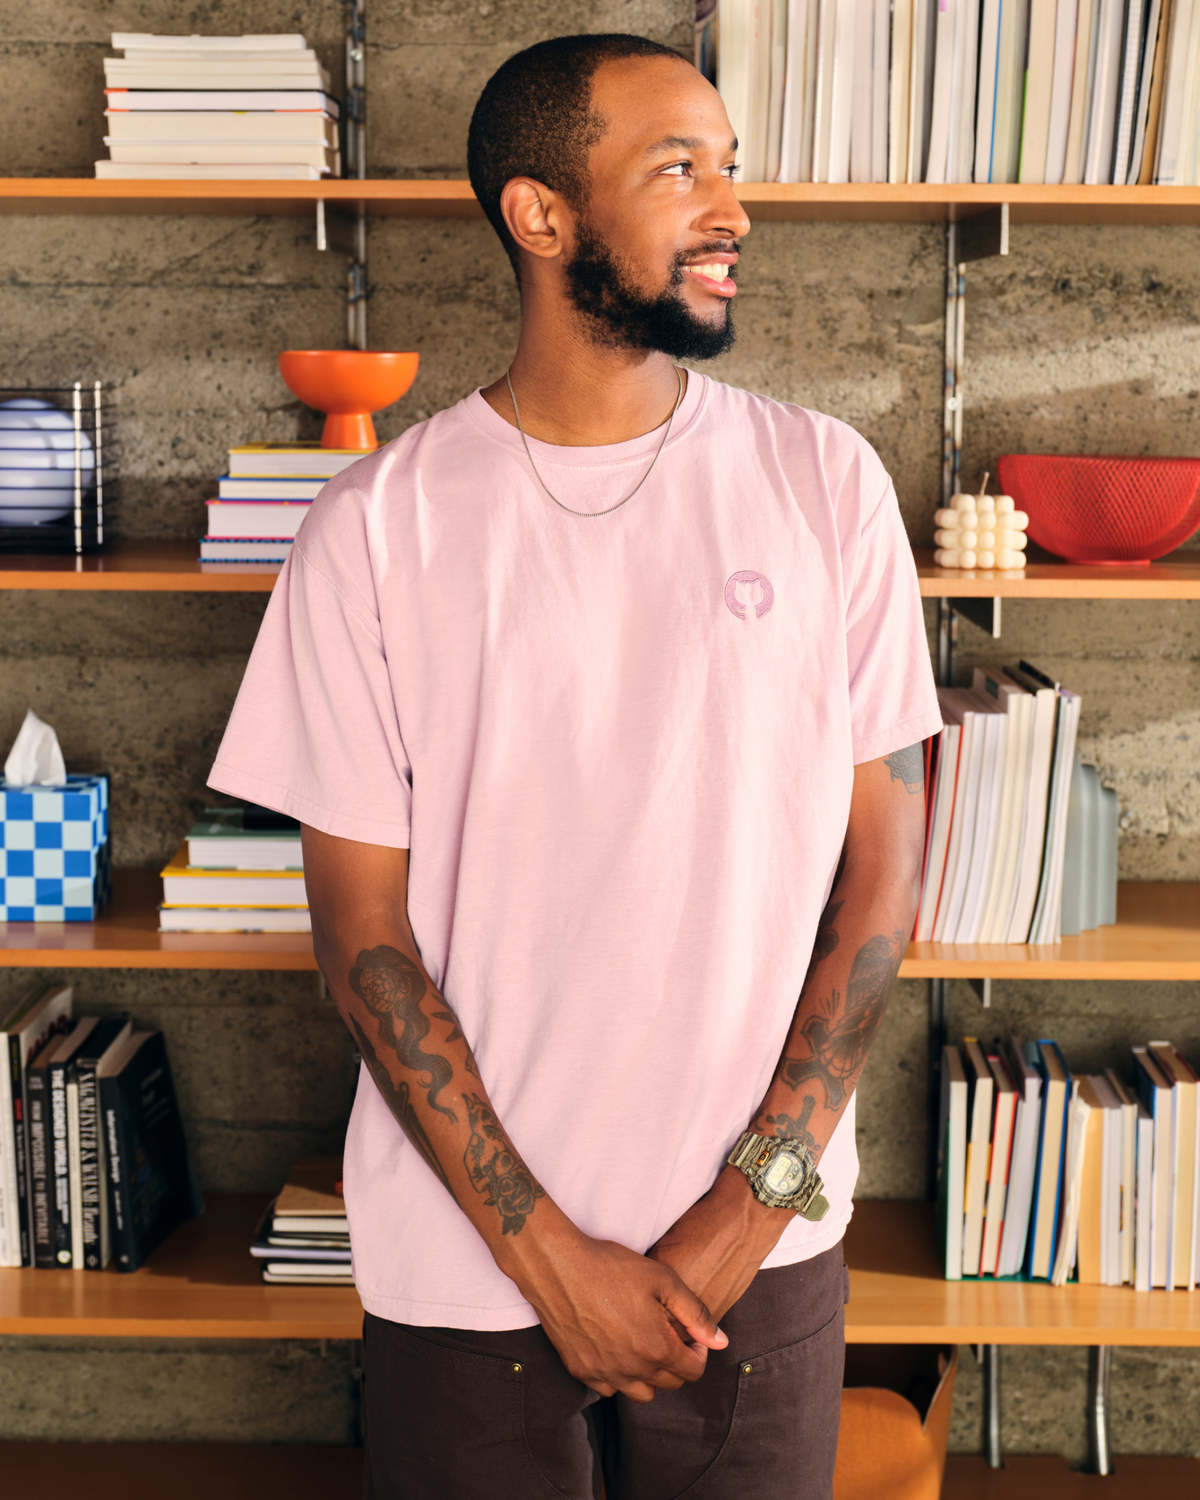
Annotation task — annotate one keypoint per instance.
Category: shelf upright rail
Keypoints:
(355, 143)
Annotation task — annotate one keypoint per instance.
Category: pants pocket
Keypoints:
(782, 1438)
(450, 1424)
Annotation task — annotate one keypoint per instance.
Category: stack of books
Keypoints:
(218, 107)
(264, 497)
(1065, 91)
(1020, 838)
(304, 1238)
(242, 870)
(94, 1165)
(1048, 1175)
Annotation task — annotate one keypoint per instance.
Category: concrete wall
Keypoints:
(1082, 340)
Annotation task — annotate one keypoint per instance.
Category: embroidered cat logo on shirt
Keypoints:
(748, 590)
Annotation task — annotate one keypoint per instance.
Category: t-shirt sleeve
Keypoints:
(314, 731)
(893, 701)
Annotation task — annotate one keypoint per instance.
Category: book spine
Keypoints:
(124, 1243)
(21, 1151)
(37, 1104)
(91, 1184)
(60, 1168)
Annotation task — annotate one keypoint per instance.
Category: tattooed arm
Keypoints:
(619, 1321)
(719, 1244)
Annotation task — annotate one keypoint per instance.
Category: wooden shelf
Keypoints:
(1157, 936)
(162, 566)
(126, 936)
(203, 1283)
(185, 1471)
(1175, 577)
(443, 198)
(149, 566)
(969, 1478)
(899, 1296)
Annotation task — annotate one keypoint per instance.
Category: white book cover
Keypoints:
(734, 71)
(284, 41)
(1068, 1237)
(962, 816)
(1073, 150)
(1144, 1200)
(952, 1159)
(961, 157)
(880, 45)
(1015, 703)
(989, 63)
(982, 1087)
(1186, 160)
(1000, 1165)
(808, 121)
(1039, 78)
(1173, 90)
(1061, 89)
(943, 78)
(1131, 56)
(1141, 110)
(862, 92)
(1046, 926)
(1102, 126)
(983, 834)
(1023, 1170)
(778, 77)
(795, 100)
(1033, 832)
(920, 89)
(760, 91)
(845, 56)
(1010, 90)
(899, 83)
(222, 153)
(132, 171)
(823, 104)
(1129, 1117)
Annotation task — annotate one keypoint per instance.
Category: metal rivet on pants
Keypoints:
(517, 1369)
(746, 1369)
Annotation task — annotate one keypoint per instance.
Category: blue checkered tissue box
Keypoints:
(55, 853)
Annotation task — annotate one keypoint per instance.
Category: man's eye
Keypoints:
(732, 169)
(677, 168)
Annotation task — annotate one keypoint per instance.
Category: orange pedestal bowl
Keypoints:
(348, 385)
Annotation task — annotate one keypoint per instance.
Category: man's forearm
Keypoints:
(411, 1042)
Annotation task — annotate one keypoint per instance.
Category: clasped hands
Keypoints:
(636, 1324)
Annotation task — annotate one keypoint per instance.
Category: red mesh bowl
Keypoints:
(1104, 510)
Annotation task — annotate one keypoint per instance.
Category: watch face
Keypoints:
(785, 1174)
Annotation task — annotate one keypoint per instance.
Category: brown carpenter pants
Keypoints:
(458, 1415)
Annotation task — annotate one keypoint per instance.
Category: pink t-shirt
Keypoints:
(620, 749)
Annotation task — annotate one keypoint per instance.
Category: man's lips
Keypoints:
(713, 274)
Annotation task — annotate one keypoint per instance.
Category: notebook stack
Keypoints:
(242, 870)
(1020, 839)
(218, 107)
(263, 499)
(1049, 1175)
(304, 1239)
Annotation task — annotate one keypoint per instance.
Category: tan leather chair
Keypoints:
(894, 1432)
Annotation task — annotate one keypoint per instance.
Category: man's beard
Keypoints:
(621, 317)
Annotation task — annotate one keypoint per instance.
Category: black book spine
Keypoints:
(19, 1149)
(37, 1103)
(90, 1164)
(112, 1121)
(60, 1190)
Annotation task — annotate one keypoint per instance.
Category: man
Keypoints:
(600, 697)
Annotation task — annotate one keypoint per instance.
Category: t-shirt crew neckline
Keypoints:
(602, 456)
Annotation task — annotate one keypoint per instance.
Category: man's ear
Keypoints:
(533, 213)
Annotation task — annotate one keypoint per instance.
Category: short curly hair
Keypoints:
(534, 119)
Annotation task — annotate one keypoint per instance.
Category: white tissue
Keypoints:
(35, 758)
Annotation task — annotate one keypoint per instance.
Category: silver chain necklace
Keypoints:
(637, 486)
